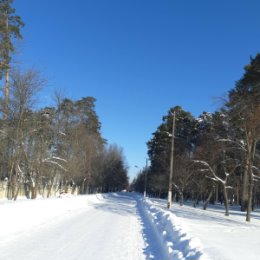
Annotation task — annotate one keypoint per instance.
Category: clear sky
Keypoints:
(138, 58)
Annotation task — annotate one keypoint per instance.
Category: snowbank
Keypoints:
(229, 238)
(173, 234)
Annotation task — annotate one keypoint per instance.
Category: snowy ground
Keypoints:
(122, 226)
(83, 227)
(222, 238)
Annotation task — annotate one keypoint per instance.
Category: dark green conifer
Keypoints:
(10, 25)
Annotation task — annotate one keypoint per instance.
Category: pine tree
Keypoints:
(159, 147)
(10, 25)
(244, 108)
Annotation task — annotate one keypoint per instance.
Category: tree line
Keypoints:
(51, 149)
(216, 156)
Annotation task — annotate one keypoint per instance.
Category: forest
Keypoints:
(50, 150)
(216, 156)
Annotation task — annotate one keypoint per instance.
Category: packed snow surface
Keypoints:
(83, 227)
(123, 226)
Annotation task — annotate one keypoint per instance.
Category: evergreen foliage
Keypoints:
(10, 25)
(216, 156)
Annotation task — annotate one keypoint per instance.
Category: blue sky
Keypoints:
(138, 58)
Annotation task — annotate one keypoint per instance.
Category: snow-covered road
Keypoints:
(123, 226)
(98, 228)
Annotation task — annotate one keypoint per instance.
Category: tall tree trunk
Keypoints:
(87, 187)
(13, 185)
(50, 187)
(17, 191)
(82, 188)
(196, 200)
(6, 93)
(244, 195)
(225, 200)
(251, 152)
(33, 192)
(10, 183)
(207, 200)
(237, 195)
(181, 198)
(254, 198)
(33, 188)
(250, 196)
(216, 196)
